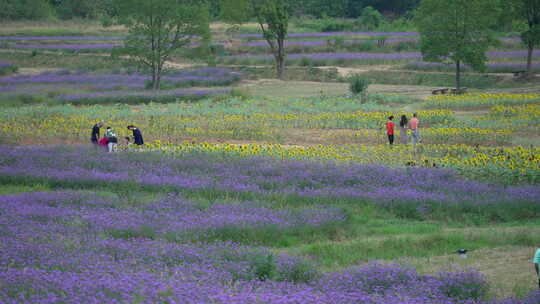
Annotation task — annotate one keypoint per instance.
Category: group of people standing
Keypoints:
(404, 125)
(110, 139)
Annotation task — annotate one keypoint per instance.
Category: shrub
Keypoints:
(242, 93)
(263, 267)
(305, 61)
(365, 46)
(335, 25)
(370, 18)
(7, 68)
(358, 84)
(463, 286)
(295, 269)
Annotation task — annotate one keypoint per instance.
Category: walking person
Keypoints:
(95, 133)
(536, 262)
(413, 124)
(112, 140)
(137, 135)
(390, 130)
(403, 123)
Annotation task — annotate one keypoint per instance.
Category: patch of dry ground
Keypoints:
(509, 269)
(274, 88)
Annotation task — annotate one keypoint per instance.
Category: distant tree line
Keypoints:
(68, 9)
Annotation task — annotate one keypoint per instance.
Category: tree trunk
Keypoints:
(155, 78)
(530, 49)
(280, 59)
(458, 76)
(280, 66)
(158, 81)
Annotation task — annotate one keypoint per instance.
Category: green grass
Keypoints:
(58, 28)
(14, 188)
(67, 60)
(333, 254)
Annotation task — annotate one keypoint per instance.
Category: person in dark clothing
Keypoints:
(403, 125)
(137, 135)
(95, 133)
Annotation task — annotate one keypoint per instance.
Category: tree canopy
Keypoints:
(528, 12)
(158, 28)
(456, 30)
(66, 9)
(273, 19)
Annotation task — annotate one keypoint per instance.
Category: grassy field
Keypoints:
(267, 190)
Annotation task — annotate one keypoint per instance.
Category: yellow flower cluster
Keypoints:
(485, 97)
(530, 111)
(480, 100)
(465, 135)
(258, 126)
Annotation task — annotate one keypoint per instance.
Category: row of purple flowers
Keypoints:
(429, 189)
(134, 97)
(262, 43)
(203, 76)
(369, 56)
(491, 67)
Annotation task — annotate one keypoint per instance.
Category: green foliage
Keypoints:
(234, 11)
(528, 11)
(25, 9)
(471, 286)
(157, 29)
(358, 84)
(264, 267)
(458, 30)
(370, 18)
(300, 271)
(273, 19)
(335, 25)
(80, 9)
(8, 70)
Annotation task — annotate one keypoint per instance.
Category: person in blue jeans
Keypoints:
(536, 262)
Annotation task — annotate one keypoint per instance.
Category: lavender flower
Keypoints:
(60, 38)
(372, 56)
(74, 247)
(73, 47)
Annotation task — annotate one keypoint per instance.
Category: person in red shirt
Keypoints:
(390, 129)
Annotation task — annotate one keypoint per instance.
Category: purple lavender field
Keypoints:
(87, 88)
(365, 56)
(196, 77)
(426, 195)
(109, 244)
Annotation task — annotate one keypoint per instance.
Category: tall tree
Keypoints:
(529, 12)
(158, 28)
(273, 19)
(458, 30)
